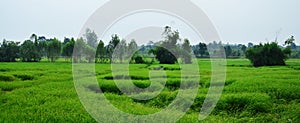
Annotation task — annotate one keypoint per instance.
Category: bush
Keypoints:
(268, 54)
(139, 60)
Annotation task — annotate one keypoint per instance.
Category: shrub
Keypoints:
(268, 54)
(139, 60)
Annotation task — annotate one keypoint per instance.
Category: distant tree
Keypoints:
(42, 47)
(186, 53)
(228, 50)
(101, 52)
(202, 49)
(132, 48)
(139, 59)
(9, 51)
(167, 52)
(244, 48)
(289, 41)
(33, 37)
(269, 54)
(115, 40)
(67, 50)
(250, 45)
(91, 38)
(78, 51)
(66, 40)
(36, 52)
(26, 51)
(89, 53)
(54, 49)
(121, 51)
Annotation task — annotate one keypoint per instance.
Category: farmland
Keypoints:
(45, 92)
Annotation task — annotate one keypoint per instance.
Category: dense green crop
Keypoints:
(44, 92)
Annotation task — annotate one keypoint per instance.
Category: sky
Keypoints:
(237, 21)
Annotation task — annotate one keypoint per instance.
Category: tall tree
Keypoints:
(202, 49)
(36, 51)
(101, 52)
(289, 41)
(78, 51)
(228, 50)
(132, 48)
(186, 54)
(26, 52)
(67, 51)
(91, 38)
(9, 51)
(115, 40)
(89, 53)
(53, 49)
(121, 50)
(244, 48)
(168, 52)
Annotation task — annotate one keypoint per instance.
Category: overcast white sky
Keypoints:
(238, 21)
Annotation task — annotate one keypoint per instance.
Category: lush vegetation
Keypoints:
(44, 92)
(269, 54)
(170, 50)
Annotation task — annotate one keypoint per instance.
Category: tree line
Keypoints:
(170, 50)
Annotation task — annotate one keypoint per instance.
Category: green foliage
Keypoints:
(78, 50)
(6, 78)
(113, 43)
(228, 51)
(267, 55)
(202, 49)
(139, 59)
(186, 52)
(9, 51)
(168, 52)
(261, 96)
(101, 52)
(29, 51)
(24, 77)
(67, 50)
(91, 38)
(53, 49)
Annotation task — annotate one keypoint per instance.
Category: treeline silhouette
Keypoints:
(168, 51)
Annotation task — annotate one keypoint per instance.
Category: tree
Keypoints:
(289, 41)
(202, 49)
(115, 40)
(139, 59)
(268, 54)
(53, 49)
(132, 48)
(250, 45)
(9, 51)
(121, 50)
(91, 38)
(186, 53)
(42, 46)
(36, 52)
(78, 50)
(89, 53)
(168, 52)
(26, 51)
(228, 50)
(244, 48)
(101, 51)
(67, 51)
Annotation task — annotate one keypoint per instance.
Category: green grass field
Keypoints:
(45, 92)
